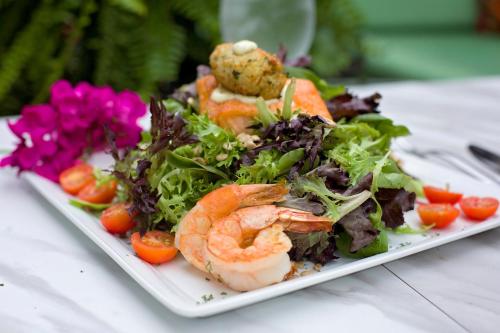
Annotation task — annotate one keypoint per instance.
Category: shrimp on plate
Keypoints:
(237, 235)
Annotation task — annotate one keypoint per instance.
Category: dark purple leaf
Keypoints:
(168, 130)
(203, 70)
(349, 106)
(364, 184)
(307, 203)
(301, 132)
(142, 166)
(301, 61)
(357, 224)
(335, 177)
(111, 140)
(184, 93)
(318, 247)
(394, 203)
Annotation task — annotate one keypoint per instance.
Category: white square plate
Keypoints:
(188, 292)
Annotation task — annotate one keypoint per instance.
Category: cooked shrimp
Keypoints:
(248, 249)
(229, 203)
(191, 234)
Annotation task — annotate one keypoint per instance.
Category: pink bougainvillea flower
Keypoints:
(52, 137)
(34, 117)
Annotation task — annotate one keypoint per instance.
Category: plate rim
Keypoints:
(240, 300)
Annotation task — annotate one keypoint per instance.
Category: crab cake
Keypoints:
(245, 69)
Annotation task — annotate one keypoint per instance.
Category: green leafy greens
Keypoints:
(343, 171)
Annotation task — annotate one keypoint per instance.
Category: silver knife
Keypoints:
(487, 157)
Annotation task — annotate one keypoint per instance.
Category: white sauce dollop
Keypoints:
(221, 94)
(244, 46)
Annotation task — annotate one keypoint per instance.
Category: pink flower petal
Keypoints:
(52, 137)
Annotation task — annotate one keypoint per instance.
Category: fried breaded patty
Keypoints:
(253, 73)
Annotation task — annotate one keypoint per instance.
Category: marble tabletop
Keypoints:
(54, 279)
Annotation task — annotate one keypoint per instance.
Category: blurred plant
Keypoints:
(338, 46)
(143, 45)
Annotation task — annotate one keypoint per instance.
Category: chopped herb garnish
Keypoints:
(207, 298)
(208, 266)
(236, 74)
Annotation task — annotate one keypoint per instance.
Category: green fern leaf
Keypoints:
(24, 45)
(134, 6)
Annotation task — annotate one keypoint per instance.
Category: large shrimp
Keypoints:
(260, 227)
(248, 249)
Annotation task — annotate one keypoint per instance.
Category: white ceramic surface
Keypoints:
(188, 292)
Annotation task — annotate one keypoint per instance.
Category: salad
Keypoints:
(257, 164)
(254, 168)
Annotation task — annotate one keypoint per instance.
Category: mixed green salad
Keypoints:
(343, 170)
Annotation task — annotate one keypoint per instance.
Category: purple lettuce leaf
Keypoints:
(349, 106)
(301, 61)
(318, 247)
(394, 203)
(358, 225)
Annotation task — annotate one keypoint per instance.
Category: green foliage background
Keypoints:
(144, 45)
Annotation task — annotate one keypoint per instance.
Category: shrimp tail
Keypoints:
(262, 194)
(295, 220)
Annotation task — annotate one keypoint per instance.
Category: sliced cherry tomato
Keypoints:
(74, 179)
(155, 247)
(479, 209)
(104, 193)
(117, 219)
(441, 215)
(441, 195)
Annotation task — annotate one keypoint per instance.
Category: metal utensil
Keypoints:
(488, 158)
(447, 158)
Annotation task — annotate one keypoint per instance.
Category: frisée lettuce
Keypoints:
(344, 171)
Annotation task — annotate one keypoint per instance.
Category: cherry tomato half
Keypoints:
(479, 209)
(155, 247)
(441, 215)
(441, 195)
(102, 194)
(117, 219)
(74, 179)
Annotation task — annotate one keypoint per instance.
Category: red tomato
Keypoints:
(98, 194)
(479, 209)
(73, 179)
(117, 219)
(441, 215)
(441, 195)
(155, 247)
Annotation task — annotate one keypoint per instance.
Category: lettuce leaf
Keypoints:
(180, 189)
(359, 227)
(394, 203)
(264, 170)
(384, 125)
(379, 245)
(88, 205)
(318, 247)
(349, 106)
(327, 91)
(216, 146)
(337, 205)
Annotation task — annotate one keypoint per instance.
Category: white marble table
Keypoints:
(54, 279)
